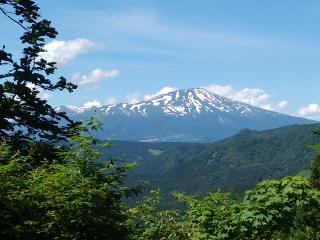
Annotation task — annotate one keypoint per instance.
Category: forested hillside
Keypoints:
(236, 163)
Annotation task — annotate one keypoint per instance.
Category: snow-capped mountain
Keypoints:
(192, 115)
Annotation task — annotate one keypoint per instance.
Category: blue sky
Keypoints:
(266, 53)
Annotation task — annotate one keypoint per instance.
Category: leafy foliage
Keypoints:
(315, 170)
(149, 222)
(275, 209)
(205, 215)
(80, 199)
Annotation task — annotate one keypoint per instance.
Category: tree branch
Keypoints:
(17, 22)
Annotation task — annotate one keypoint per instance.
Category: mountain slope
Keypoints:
(193, 115)
(236, 163)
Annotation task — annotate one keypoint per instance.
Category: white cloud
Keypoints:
(90, 104)
(42, 93)
(253, 96)
(95, 77)
(223, 90)
(62, 52)
(278, 107)
(31, 86)
(282, 105)
(45, 95)
(87, 105)
(137, 97)
(133, 98)
(111, 100)
(162, 91)
(309, 111)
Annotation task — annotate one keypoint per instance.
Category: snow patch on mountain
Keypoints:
(192, 115)
(177, 103)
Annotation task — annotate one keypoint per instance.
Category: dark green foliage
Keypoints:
(204, 216)
(275, 209)
(24, 115)
(236, 163)
(48, 191)
(150, 223)
(80, 199)
(315, 170)
(315, 173)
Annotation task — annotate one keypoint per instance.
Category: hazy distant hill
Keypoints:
(193, 115)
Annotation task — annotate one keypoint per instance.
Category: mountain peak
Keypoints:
(184, 102)
(191, 101)
(193, 115)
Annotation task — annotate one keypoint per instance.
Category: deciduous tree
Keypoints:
(24, 115)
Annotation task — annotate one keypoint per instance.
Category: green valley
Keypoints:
(237, 163)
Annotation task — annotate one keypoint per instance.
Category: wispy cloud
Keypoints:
(111, 100)
(133, 97)
(94, 78)
(90, 104)
(137, 97)
(278, 107)
(310, 110)
(164, 90)
(153, 30)
(41, 93)
(253, 96)
(145, 30)
(87, 105)
(62, 52)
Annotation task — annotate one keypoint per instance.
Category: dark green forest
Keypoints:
(235, 164)
(60, 182)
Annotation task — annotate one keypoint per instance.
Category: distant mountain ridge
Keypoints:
(191, 115)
